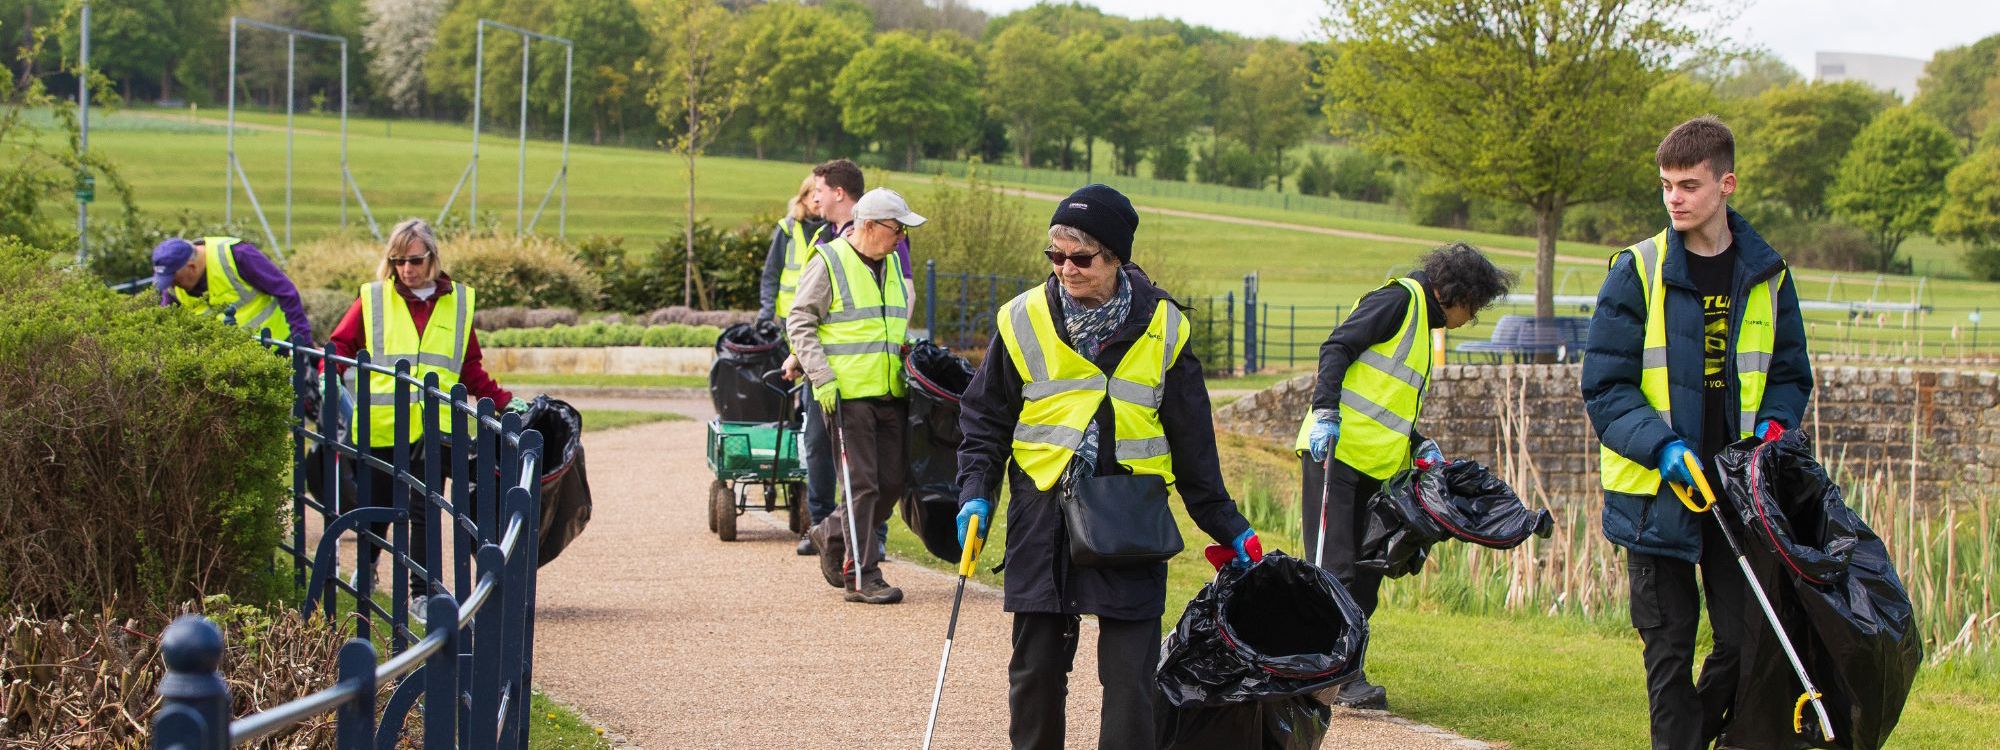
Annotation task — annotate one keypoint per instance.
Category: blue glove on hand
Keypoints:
(1325, 431)
(519, 405)
(1249, 550)
(976, 506)
(1428, 455)
(1673, 467)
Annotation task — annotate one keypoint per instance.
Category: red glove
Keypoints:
(1770, 431)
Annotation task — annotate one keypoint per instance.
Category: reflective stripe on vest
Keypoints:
(1381, 396)
(391, 336)
(1756, 333)
(866, 323)
(1061, 390)
(799, 251)
(254, 310)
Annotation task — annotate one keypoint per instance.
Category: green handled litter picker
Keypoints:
(966, 562)
(1811, 694)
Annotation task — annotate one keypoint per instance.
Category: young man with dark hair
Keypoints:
(1696, 344)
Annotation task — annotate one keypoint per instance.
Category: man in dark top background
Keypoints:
(1696, 343)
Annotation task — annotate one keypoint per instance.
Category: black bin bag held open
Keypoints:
(1455, 500)
(1830, 580)
(1240, 668)
(736, 386)
(937, 379)
(565, 489)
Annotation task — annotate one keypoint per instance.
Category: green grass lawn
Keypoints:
(556, 727)
(599, 420)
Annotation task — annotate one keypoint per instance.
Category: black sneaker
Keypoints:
(806, 546)
(1361, 694)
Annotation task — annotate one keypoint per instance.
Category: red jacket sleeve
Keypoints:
(347, 337)
(477, 381)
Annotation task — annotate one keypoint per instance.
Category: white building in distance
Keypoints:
(1896, 75)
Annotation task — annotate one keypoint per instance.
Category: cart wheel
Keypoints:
(715, 487)
(795, 497)
(722, 503)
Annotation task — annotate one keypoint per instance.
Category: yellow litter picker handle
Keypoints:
(968, 560)
(1700, 482)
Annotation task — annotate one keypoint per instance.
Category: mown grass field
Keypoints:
(408, 168)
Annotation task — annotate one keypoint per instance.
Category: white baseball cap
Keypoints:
(883, 204)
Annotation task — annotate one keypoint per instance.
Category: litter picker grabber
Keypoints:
(847, 486)
(1811, 694)
(968, 559)
(1325, 498)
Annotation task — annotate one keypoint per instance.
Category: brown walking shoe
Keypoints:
(874, 590)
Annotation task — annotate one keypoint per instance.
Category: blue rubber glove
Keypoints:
(1249, 549)
(1325, 432)
(519, 405)
(828, 395)
(1672, 467)
(1428, 455)
(976, 506)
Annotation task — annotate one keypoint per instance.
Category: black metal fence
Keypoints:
(479, 498)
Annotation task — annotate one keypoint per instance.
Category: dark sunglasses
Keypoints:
(410, 261)
(1056, 258)
(895, 226)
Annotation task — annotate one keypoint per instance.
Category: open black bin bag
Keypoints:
(1455, 500)
(937, 379)
(565, 488)
(1240, 668)
(1830, 580)
(736, 386)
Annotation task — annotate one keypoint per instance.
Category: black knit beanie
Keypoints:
(1104, 214)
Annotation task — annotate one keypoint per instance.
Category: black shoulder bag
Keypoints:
(1119, 521)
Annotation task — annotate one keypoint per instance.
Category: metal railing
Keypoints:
(472, 666)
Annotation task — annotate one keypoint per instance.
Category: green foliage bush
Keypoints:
(1170, 162)
(729, 263)
(1316, 174)
(1227, 162)
(1358, 175)
(522, 271)
(144, 456)
(602, 334)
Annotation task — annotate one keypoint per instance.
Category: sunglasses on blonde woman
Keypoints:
(412, 260)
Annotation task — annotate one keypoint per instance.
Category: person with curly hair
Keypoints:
(1362, 428)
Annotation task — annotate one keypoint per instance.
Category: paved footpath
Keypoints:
(670, 638)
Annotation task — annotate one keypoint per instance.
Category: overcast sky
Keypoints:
(1794, 29)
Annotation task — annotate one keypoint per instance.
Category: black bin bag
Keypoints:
(1240, 667)
(937, 379)
(1830, 580)
(565, 488)
(736, 386)
(1455, 500)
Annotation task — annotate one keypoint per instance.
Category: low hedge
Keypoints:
(602, 334)
(144, 451)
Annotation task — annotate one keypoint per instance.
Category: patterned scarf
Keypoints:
(1088, 327)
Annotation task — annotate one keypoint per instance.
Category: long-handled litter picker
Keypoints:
(847, 484)
(967, 560)
(1325, 499)
(1811, 694)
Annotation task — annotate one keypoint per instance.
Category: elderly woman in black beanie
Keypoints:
(1090, 404)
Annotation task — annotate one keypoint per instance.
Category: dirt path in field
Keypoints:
(673, 639)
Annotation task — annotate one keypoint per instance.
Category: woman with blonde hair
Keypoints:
(792, 244)
(412, 312)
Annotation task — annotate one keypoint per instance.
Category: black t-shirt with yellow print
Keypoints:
(1714, 281)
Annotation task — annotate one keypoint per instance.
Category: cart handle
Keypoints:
(1700, 481)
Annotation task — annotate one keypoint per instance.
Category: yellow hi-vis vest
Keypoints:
(255, 310)
(1061, 390)
(866, 324)
(799, 251)
(1382, 395)
(391, 336)
(1754, 337)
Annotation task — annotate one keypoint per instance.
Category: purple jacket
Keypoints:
(262, 275)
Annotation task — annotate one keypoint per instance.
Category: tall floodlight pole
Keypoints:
(229, 169)
(562, 215)
(478, 77)
(291, 100)
(521, 168)
(83, 182)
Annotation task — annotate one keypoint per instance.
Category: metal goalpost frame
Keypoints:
(235, 169)
(522, 222)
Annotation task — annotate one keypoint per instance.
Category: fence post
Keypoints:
(194, 714)
(1249, 323)
(930, 300)
(354, 721)
(1229, 325)
(1292, 336)
(441, 673)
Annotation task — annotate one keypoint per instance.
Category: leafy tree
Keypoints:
(1971, 212)
(1542, 104)
(1892, 182)
(906, 91)
(399, 35)
(607, 35)
(1954, 84)
(1268, 108)
(786, 51)
(1747, 75)
(1795, 136)
(449, 66)
(1029, 86)
(694, 94)
(1151, 104)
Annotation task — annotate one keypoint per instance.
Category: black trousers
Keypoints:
(1038, 681)
(1346, 499)
(381, 494)
(1666, 609)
